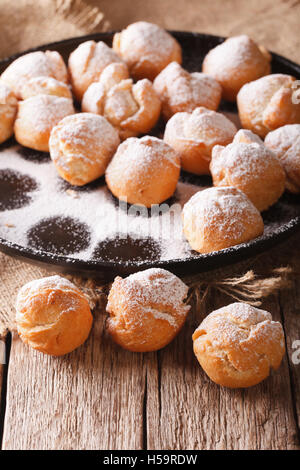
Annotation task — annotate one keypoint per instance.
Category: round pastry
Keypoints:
(37, 116)
(81, 147)
(252, 168)
(132, 109)
(45, 86)
(34, 64)
(194, 135)
(285, 144)
(8, 112)
(113, 74)
(147, 309)
(245, 136)
(52, 315)
(143, 171)
(217, 218)
(237, 345)
(86, 64)
(236, 61)
(147, 49)
(181, 91)
(267, 103)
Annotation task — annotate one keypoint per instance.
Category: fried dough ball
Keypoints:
(81, 147)
(8, 112)
(143, 171)
(45, 86)
(217, 218)
(193, 136)
(52, 315)
(237, 345)
(34, 64)
(236, 61)
(147, 49)
(181, 91)
(147, 309)
(267, 103)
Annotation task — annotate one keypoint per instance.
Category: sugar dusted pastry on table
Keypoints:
(250, 167)
(238, 345)
(36, 118)
(143, 171)
(181, 91)
(34, 64)
(236, 61)
(86, 64)
(132, 109)
(8, 112)
(147, 49)
(52, 315)
(217, 218)
(81, 147)
(146, 310)
(193, 136)
(285, 144)
(267, 103)
(45, 86)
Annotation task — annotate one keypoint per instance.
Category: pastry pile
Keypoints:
(122, 92)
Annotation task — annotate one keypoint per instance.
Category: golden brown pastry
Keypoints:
(193, 136)
(34, 64)
(52, 315)
(143, 171)
(81, 147)
(250, 167)
(217, 218)
(236, 61)
(181, 91)
(8, 112)
(285, 144)
(132, 109)
(147, 49)
(45, 86)
(266, 104)
(86, 64)
(237, 345)
(36, 118)
(147, 309)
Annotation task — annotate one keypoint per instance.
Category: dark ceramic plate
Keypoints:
(55, 240)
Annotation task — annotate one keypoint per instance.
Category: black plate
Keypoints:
(124, 257)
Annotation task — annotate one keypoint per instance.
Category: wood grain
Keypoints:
(185, 410)
(91, 399)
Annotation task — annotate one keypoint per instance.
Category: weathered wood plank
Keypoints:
(290, 310)
(90, 399)
(188, 411)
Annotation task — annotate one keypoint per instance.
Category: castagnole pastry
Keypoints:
(181, 91)
(143, 171)
(34, 64)
(147, 49)
(217, 218)
(285, 143)
(37, 116)
(146, 309)
(236, 61)
(86, 64)
(250, 167)
(267, 103)
(45, 86)
(81, 147)
(238, 345)
(8, 112)
(132, 109)
(193, 136)
(52, 315)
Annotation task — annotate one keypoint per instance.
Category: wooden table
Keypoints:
(102, 397)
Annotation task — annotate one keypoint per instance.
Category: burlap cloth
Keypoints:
(274, 23)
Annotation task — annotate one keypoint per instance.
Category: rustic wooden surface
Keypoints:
(101, 397)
